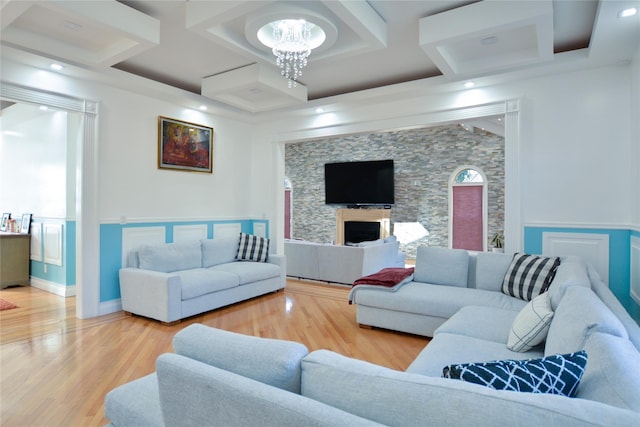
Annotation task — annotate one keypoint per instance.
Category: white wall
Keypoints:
(575, 139)
(33, 162)
(132, 186)
(130, 183)
(575, 148)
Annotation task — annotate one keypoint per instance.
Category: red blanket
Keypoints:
(386, 277)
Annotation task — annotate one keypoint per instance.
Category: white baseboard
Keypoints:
(109, 307)
(54, 288)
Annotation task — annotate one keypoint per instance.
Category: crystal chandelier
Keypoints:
(291, 41)
(291, 47)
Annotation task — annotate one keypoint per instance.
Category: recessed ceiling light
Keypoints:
(203, 108)
(627, 12)
(469, 85)
(319, 110)
(44, 108)
(56, 67)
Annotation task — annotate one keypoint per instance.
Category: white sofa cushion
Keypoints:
(442, 266)
(171, 257)
(571, 272)
(135, 403)
(613, 372)
(580, 313)
(486, 323)
(531, 325)
(436, 300)
(249, 272)
(219, 250)
(446, 349)
(202, 281)
(271, 361)
(490, 270)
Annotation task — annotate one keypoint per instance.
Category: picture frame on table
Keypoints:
(184, 146)
(5, 219)
(26, 223)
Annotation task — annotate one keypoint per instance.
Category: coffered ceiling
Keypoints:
(210, 47)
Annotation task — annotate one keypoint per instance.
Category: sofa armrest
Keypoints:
(151, 294)
(281, 261)
(377, 257)
(271, 361)
(195, 394)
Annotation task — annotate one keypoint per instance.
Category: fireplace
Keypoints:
(362, 218)
(361, 231)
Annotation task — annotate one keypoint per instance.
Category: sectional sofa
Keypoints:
(579, 368)
(172, 281)
(341, 263)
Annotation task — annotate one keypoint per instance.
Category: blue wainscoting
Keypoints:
(619, 258)
(111, 247)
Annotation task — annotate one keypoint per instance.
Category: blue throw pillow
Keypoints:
(557, 374)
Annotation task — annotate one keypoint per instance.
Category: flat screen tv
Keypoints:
(359, 183)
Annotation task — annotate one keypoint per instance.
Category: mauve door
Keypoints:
(467, 217)
(287, 214)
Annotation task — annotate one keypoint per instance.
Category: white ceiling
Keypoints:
(209, 47)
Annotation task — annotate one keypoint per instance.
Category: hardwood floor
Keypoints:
(55, 369)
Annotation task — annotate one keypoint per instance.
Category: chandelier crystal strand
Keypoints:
(291, 47)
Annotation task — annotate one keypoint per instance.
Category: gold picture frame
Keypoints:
(184, 146)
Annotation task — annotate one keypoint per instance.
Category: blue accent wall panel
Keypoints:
(619, 258)
(110, 261)
(70, 253)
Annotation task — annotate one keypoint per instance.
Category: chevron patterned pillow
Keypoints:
(557, 374)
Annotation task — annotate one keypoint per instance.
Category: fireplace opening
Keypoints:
(361, 231)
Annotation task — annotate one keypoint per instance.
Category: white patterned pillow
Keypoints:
(252, 248)
(529, 275)
(531, 325)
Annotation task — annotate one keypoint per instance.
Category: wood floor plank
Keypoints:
(55, 369)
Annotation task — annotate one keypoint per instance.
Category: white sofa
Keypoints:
(221, 378)
(173, 281)
(446, 280)
(338, 263)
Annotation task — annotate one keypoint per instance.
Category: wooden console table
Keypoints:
(14, 259)
(383, 216)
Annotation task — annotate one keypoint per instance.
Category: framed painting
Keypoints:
(5, 219)
(25, 224)
(184, 146)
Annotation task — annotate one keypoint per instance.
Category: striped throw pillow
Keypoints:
(529, 275)
(252, 248)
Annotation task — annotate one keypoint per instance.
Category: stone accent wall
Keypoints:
(424, 161)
